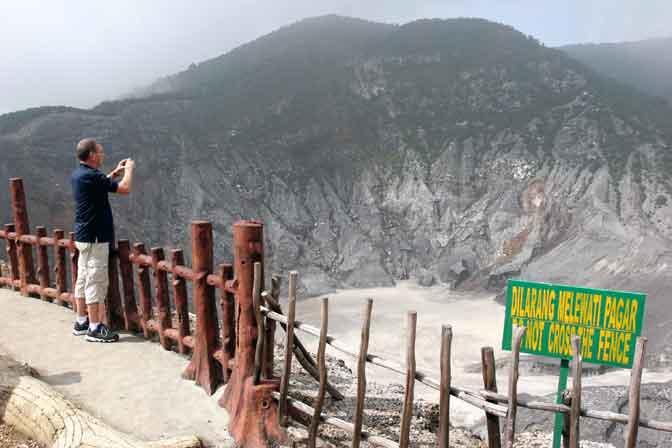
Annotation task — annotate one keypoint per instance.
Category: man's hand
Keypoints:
(125, 185)
(120, 167)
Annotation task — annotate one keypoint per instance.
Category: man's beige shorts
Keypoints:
(92, 278)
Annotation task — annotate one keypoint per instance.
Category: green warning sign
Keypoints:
(608, 322)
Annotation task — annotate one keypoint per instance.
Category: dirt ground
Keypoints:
(8, 437)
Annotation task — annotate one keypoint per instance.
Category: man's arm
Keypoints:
(126, 183)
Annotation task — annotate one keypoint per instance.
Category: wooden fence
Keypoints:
(219, 354)
(236, 347)
(494, 404)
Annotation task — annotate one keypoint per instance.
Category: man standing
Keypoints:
(94, 231)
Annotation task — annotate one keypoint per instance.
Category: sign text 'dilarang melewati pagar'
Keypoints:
(608, 322)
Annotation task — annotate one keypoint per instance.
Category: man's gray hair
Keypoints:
(85, 147)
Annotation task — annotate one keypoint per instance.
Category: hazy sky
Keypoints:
(80, 52)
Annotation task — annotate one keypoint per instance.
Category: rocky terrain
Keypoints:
(382, 414)
(457, 151)
(655, 404)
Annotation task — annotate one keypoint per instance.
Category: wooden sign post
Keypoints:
(607, 322)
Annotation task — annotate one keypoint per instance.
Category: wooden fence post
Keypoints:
(181, 302)
(407, 410)
(444, 399)
(252, 410)
(518, 333)
(490, 384)
(634, 393)
(12, 256)
(74, 258)
(42, 263)
(204, 369)
(145, 292)
(321, 364)
(269, 344)
(60, 269)
(256, 301)
(162, 302)
(126, 267)
(227, 307)
(25, 251)
(575, 413)
(361, 373)
(289, 349)
(566, 425)
(113, 309)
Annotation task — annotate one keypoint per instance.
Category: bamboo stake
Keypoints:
(256, 301)
(518, 333)
(270, 327)
(575, 413)
(361, 373)
(407, 410)
(348, 427)
(567, 401)
(300, 351)
(321, 363)
(444, 400)
(289, 348)
(634, 394)
(490, 384)
(466, 395)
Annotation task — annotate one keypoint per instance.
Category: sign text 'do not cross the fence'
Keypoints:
(608, 322)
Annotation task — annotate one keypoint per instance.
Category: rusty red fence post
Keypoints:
(113, 314)
(181, 302)
(126, 268)
(227, 306)
(162, 301)
(25, 251)
(74, 258)
(145, 291)
(12, 256)
(42, 262)
(253, 412)
(60, 269)
(204, 368)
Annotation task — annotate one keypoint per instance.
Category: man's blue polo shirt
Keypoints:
(93, 214)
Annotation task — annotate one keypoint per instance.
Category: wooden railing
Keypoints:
(218, 356)
(238, 349)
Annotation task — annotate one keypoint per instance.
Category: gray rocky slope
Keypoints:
(457, 151)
